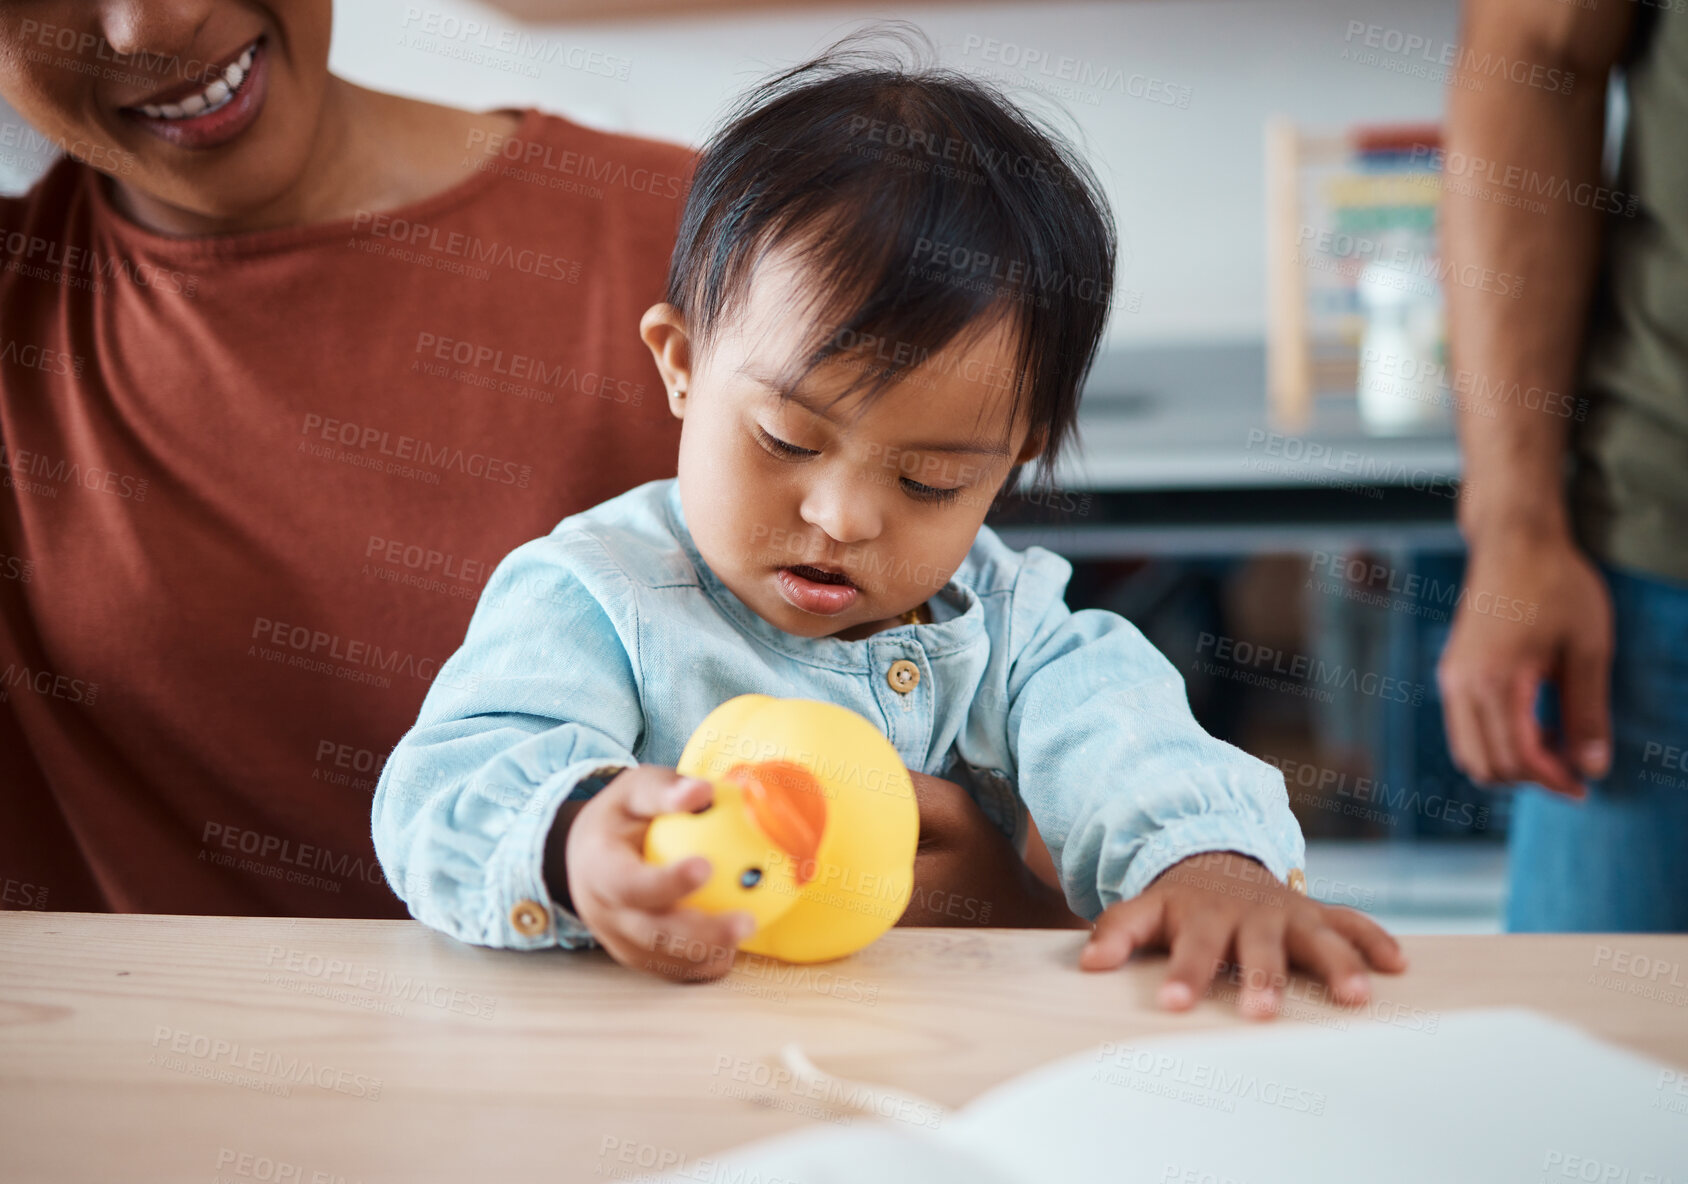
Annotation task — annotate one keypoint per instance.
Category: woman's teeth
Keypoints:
(219, 93)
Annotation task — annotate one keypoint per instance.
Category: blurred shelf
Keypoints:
(1414, 887)
(1177, 456)
(1194, 417)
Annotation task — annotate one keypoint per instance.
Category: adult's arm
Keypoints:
(1516, 354)
(966, 871)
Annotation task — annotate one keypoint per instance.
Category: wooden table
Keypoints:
(139, 1048)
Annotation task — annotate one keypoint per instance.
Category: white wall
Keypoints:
(1186, 182)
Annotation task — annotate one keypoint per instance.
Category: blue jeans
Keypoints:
(1619, 861)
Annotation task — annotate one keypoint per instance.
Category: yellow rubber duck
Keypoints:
(812, 830)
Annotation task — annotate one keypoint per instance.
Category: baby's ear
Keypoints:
(663, 329)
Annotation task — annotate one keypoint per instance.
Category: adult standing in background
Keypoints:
(286, 367)
(1581, 503)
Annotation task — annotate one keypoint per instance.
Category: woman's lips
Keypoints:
(216, 110)
(799, 586)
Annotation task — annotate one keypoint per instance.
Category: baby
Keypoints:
(888, 287)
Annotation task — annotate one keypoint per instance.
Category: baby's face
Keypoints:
(836, 520)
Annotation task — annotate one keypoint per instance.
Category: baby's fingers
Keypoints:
(647, 888)
(1370, 938)
(1323, 951)
(1262, 961)
(685, 945)
(1122, 928)
(652, 791)
(1198, 946)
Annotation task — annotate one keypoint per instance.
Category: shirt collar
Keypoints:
(937, 639)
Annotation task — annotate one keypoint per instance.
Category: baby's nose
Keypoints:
(846, 515)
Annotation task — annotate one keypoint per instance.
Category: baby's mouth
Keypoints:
(816, 589)
(820, 574)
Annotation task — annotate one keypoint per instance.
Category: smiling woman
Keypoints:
(228, 113)
(286, 366)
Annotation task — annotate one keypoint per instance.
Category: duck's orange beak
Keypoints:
(788, 805)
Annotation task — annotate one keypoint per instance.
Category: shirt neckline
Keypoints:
(257, 242)
(937, 639)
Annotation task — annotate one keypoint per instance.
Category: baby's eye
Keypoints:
(778, 446)
(750, 877)
(929, 493)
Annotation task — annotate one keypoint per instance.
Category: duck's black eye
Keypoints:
(750, 877)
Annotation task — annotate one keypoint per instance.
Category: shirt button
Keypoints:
(529, 918)
(1298, 881)
(903, 676)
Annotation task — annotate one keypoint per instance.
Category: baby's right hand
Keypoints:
(630, 905)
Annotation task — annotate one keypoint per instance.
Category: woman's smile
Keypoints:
(212, 110)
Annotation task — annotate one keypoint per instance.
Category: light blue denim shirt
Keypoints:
(604, 644)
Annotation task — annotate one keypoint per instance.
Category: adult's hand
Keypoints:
(966, 872)
(1495, 663)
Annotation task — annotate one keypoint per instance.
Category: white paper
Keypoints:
(1491, 1097)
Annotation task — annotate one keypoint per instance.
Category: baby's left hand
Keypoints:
(1222, 905)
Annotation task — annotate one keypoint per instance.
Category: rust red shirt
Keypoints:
(251, 487)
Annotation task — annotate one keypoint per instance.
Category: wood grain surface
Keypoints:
(153, 1048)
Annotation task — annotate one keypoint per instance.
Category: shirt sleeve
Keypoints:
(541, 703)
(1116, 772)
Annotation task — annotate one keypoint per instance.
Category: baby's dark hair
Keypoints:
(924, 205)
